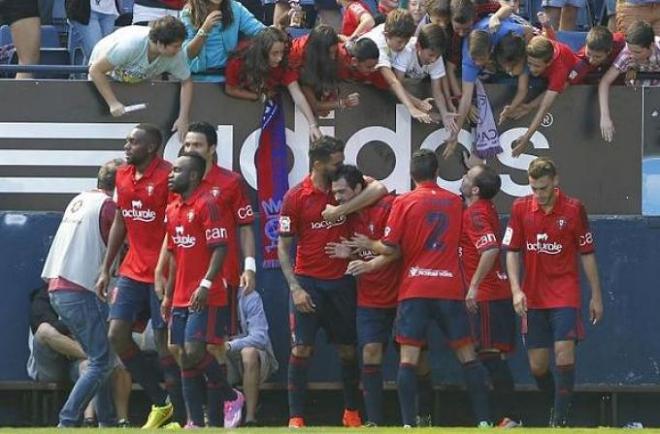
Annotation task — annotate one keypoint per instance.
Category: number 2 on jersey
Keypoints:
(438, 222)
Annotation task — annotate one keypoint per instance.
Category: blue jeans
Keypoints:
(100, 25)
(86, 316)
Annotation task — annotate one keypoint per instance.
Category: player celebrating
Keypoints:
(321, 294)
(489, 296)
(141, 196)
(377, 292)
(197, 236)
(424, 228)
(550, 229)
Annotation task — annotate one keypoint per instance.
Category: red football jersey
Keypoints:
(550, 244)
(351, 17)
(301, 217)
(347, 73)
(380, 288)
(277, 76)
(561, 65)
(481, 232)
(583, 68)
(196, 226)
(228, 188)
(142, 205)
(426, 225)
(297, 52)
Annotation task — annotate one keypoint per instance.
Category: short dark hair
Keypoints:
(510, 49)
(152, 133)
(540, 167)
(198, 164)
(479, 44)
(462, 11)
(424, 165)
(600, 39)
(107, 174)
(488, 181)
(399, 23)
(351, 174)
(640, 33)
(432, 36)
(321, 149)
(363, 49)
(206, 129)
(167, 30)
(437, 7)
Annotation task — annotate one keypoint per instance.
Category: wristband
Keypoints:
(205, 283)
(250, 264)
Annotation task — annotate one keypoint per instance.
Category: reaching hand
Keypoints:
(338, 250)
(607, 129)
(314, 132)
(421, 116)
(520, 145)
(351, 100)
(181, 125)
(358, 267)
(117, 109)
(450, 147)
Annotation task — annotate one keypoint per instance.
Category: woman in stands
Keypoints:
(260, 69)
(314, 57)
(212, 33)
(92, 20)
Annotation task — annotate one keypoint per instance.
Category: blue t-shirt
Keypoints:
(470, 70)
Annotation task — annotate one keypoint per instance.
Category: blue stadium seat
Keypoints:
(74, 45)
(575, 40)
(49, 36)
(59, 16)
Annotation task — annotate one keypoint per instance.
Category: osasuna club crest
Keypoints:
(191, 215)
(150, 189)
(215, 191)
(561, 223)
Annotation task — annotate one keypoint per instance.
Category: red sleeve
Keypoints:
(583, 235)
(395, 224)
(514, 236)
(289, 215)
(378, 81)
(106, 217)
(287, 77)
(480, 232)
(214, 220)
(482, 10)
(232, 72)
(557, 76)
(244, 215)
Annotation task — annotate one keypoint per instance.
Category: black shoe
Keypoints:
(89, 422)
(123, 423)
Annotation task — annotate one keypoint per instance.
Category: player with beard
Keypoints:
(489, 296)
(141, 195)
(551, 229)
(196, 298)
(321, 294)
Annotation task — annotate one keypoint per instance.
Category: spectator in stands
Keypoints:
(54, 354)
(563, 13)
(71, 270)
(510, 56)
(391, 38)
(553, 61)
(250, 354)
(213, 28)
(641, 54)
(22, 17)
(436, 12)
(314, 56)
(146, 12)
(257, 71)
(422, 58)
(133, 54)
(92, 20)
(357, 62)
(629, 11)
(599, 52)
(356, 21)
(416, 10)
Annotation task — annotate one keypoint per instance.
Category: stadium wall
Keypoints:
(53, 136)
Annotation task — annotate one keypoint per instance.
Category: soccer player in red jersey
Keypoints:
(196, 298)
(599, 52)
(489, 296)
(322, 295)
(141, 195)
(376, 292)
(551, 229)
(424, 229)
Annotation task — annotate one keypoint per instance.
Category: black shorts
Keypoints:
(494, 325)
(335, 302)
(14, 10)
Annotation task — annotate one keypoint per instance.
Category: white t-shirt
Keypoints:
(386, 55)
(408, 62)
(127, 50)
(107, 7)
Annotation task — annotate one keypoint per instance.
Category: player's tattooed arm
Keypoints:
(596, 303)
(371, 193)
(301, 299)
